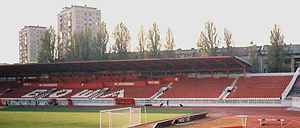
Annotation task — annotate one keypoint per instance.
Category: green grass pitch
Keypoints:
(72, 117)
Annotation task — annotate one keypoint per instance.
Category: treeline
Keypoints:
(83, 46)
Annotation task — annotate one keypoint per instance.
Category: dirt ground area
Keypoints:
(227, 116)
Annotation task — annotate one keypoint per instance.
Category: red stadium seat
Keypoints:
(260, 87)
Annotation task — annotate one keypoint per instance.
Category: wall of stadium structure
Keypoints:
(296, 102)
(234, 75)
(293, 83)
(214, 102)
(88, 97)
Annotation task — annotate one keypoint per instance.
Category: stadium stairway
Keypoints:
(228, 89)
(99, 94)
(234, 82)
(46, 93)
(5, 91)
(17, 92)
(6, 87)
(161, 91)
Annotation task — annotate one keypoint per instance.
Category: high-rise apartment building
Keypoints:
(76, 18)
(29, 43)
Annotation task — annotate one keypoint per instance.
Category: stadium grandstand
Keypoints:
(196, 81)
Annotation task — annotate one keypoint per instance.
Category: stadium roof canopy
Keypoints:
(218, 63)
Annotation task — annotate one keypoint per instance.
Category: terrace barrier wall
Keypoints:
(183, 119)
(147, 101)
(211, 102)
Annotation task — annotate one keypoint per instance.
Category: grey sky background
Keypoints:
(247, 20)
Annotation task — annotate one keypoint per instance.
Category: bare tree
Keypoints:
(170, 45)
(47, 52)
(208, 41)
(154, 42)
(229, 43)
(142, 42)
(80, 45)
(100, 42)
(276, 53)
(122, 41)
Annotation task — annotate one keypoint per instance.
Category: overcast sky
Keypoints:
(247, 20)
